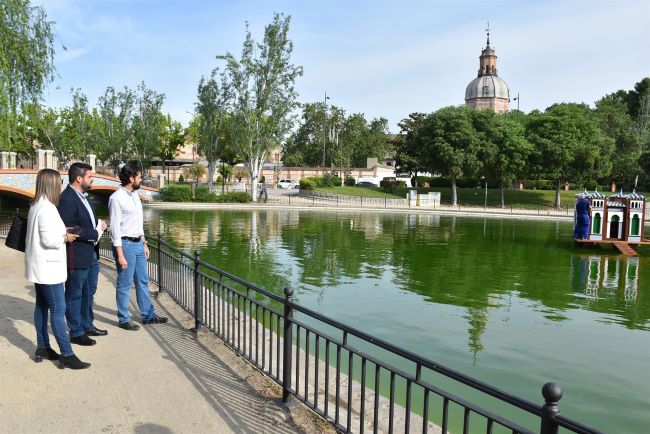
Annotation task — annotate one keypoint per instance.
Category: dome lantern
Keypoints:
(487, 90)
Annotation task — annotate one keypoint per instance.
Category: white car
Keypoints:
(288, 183)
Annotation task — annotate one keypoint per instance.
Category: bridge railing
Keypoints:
(354, 380)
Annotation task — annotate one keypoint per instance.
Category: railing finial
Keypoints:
(552, 393)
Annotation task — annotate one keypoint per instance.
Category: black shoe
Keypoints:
(83, 340)
(45, 353)
(72, 362)
(129, 326)
(155, 320)
(96, 332)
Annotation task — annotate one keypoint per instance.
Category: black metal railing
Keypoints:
(352, 379)
(335, 369)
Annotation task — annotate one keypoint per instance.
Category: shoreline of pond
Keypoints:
(519, 214)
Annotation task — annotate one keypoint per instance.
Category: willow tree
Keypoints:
(262, 82)
(26, 61)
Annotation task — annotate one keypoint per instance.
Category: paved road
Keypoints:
(160, 379)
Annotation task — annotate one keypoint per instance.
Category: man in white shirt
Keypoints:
(130, 250)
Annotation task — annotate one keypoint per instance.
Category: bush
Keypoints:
(389, 185)
(307, 184)
(181, 179)
(540, 184)
(336, 181)
(202, 194)
(318, 181)
(234, 197)
(350, 182)
(176, 193)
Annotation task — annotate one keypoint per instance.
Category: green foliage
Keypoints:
(350, 182)
(194, 171)
(390, 185)
(183, 193)
(263, 94)
(569, 145)
(541, 184)
(307, 184)
(26, 65)
(181, 178)
(330, 138)
(176, 193)
(234, 197)
(328, 180)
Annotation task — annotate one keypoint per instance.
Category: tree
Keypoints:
(569, 145)
(451, 144)
(616, 123)
(214, 100)
(115, 111)
(408, 146)
(504, 149)
(264, 96)
(26, 61)
(147, 125)
(173, 137)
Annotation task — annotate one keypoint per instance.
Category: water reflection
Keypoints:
(608, 277)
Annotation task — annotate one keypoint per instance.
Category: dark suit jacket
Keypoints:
(83, 250)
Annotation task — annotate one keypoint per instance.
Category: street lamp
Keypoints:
(517, 99)
(325, 129)
(485, 202)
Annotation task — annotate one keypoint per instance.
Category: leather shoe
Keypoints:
(83, 340)
(129, 326)
(96, 332)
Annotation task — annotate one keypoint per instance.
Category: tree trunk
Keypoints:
(211, 168)
(557, 194)
(253, 170)
(503, 196)
(223, 178)
(454, 200)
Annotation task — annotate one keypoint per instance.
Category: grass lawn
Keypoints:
(466, 195)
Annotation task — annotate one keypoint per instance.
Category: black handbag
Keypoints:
(17, 233)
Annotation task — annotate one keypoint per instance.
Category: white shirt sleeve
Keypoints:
(115, 213)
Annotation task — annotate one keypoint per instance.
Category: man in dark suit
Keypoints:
(83, 254)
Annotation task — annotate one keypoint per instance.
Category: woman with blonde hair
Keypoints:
(45, 266)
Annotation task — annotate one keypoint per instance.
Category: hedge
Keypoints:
(183, 193)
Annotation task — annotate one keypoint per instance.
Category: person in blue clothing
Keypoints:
(583, 213)
(82, 254)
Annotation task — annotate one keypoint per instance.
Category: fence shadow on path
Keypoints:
(12, 310)
(236, 402)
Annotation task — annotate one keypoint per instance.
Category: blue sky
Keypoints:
(380, 58)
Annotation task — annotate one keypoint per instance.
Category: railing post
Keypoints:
(286, 358)
(552, 393)
(197, 291)
(159, 260)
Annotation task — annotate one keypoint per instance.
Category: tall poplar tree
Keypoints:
(264, 97)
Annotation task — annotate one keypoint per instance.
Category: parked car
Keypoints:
(288, 183)
(366, 184)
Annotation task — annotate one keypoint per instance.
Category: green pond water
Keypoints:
(512, 303)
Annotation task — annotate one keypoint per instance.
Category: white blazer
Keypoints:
(45, 253)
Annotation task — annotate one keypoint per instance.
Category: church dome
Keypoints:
(487, 86)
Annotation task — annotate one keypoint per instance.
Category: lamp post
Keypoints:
(517, 99)
(485, 201)
(325, 129)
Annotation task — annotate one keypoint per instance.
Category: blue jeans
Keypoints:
(135, 271)
(50, 297)
(80, 291)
